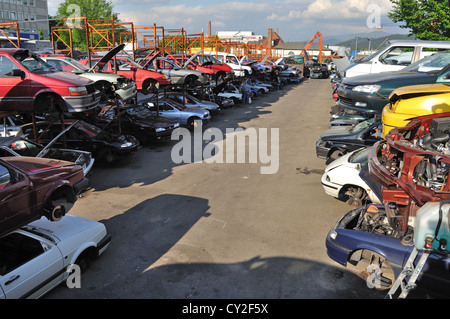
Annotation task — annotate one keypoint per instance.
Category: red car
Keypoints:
(204, 63)
(29, 84)
(412, 166)
(146, 81)
(33, 187)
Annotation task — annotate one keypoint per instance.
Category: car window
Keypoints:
(397, 56)
(5, 177)
(55, 64)
(431, 64)
(66, 67)
(6, 66)
(16, 249)
(5, 152)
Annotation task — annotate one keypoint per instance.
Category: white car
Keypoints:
(38, 257)
(342, 181)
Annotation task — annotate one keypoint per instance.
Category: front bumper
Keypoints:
(330, 188)
(81, 185)
(360, 102)
(82, 103)
(321, 150)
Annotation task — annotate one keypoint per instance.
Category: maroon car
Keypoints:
(412, 166)
(34, 187)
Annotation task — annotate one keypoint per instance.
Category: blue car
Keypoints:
(363, 238)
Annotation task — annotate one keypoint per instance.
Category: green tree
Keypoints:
(426, 19)
(92, 10)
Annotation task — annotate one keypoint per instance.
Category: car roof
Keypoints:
(423, 43)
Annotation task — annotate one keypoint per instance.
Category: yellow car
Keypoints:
(411, 101)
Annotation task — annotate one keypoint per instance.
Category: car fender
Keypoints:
(56, 186)
(77, 253)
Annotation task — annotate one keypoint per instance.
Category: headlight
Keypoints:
(160, 129)
(127, 144)
(366, 88)
(176, 125)
(77, 90)
(333, 234)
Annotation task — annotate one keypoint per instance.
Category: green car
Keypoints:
(369, 93)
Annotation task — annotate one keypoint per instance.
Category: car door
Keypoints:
(29, 265)
(17, 198)
(167, 111)
(14, 87)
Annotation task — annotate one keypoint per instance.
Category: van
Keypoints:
(232, 60)
(397, 55)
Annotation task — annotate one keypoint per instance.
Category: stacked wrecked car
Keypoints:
(397, 183)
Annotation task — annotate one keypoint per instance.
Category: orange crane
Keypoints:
(319, 35)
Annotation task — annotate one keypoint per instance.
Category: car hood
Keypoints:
(418, 90)
(108, 56)
(399, 77)
(192, 58)
(69, 78)
(67, 227)
(368, 179)
(35, 165)
(337, 131)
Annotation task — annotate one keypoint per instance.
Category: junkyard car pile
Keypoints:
(388, 153)
(60, 115)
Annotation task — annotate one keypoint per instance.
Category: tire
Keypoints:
(57, 208)
(356, 196)
(335, 154)
(373, 268)
(190, 81)
(150, 86)
(192, 122)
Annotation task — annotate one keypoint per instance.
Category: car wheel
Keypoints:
(373, 268)
(356, 196)
(193, 122)
(150, 86)
(56, 209)
(336, 154)
(84, 260)
(190, 81)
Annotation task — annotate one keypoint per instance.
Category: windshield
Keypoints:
(431, 64)
(362, 125)
(360, 156)
(368, 58)
(77, 64)
(36, 65)
(133, 63)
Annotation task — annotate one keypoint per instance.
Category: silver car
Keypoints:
(190, 101)
(107, 83)
(187, 116)
(175, 73)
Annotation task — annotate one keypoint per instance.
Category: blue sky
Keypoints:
(295, 20)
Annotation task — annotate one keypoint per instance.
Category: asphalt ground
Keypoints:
(222, 230)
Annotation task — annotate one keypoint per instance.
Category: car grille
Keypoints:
(345, 101)
(90, 88)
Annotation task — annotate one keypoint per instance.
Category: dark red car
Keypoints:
(412, 166)
(34, 187)
(146, 81)
(29, 84)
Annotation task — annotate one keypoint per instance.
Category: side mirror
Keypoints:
(18, 72)
(133, 68)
